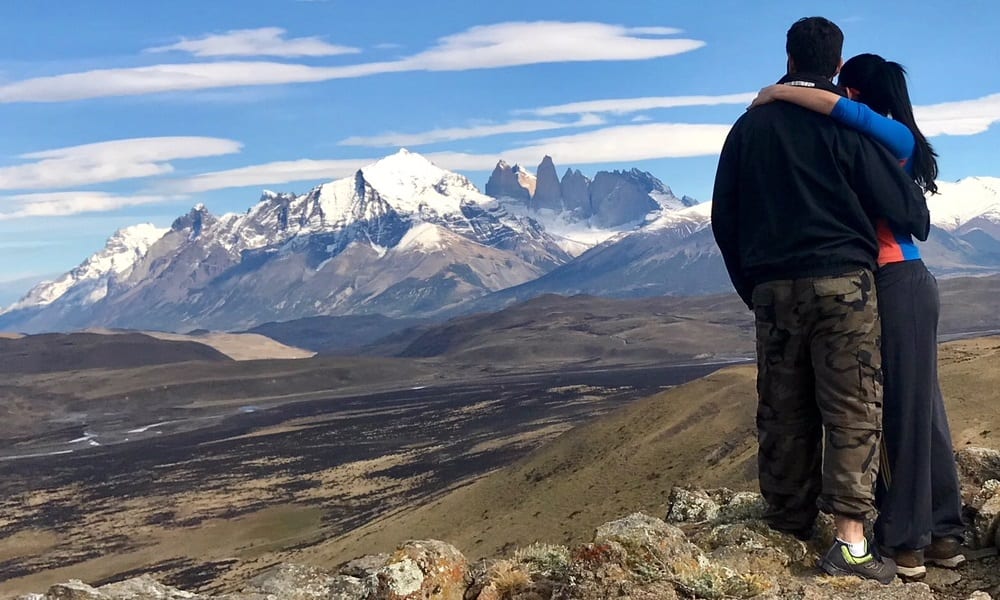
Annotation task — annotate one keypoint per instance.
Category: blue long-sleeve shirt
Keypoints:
(898, 139)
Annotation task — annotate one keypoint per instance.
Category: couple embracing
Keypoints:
(818, 196)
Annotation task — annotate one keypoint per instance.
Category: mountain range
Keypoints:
(676, 253)
(401, 236)
(405, 238)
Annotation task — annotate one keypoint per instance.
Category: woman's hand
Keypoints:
(766, 95)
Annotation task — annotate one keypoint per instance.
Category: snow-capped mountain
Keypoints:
(967, 204)
(401, 236)
(674, 254)
(89, 281)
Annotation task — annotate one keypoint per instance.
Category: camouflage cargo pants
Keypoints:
(819, 412)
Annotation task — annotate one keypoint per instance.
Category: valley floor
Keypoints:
(197, 506)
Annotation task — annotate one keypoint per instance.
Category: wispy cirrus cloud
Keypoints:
(265, 41)
(622, 106)
(61, 204)
(625, 143)
(609, 144)
(484, 47)
(108, 161)
(451, 134)
(270, 174)
(525, 43)
(964, 117)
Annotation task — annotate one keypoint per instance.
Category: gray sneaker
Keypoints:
(839, 561)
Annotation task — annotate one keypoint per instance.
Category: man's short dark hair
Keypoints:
(815, 45)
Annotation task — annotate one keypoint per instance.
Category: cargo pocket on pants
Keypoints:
(870, 385)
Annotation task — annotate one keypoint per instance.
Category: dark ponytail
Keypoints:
(882, 85)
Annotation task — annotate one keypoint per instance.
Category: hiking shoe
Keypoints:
(945, 552)
(838, 561)
(909, 563)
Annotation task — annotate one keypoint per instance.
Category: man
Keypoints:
(795, 198)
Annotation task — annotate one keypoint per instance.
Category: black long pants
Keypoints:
(918, 493)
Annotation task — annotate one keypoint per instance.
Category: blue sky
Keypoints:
(118, 112)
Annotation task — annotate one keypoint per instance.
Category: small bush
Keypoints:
(508, 578)
(544, 559)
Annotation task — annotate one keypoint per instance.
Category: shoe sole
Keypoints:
(911, 572)
(832, 569)
(948, 563)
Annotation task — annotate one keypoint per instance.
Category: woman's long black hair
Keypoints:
(882, 86)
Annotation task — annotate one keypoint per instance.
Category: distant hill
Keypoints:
(239, 346)
(555, 330)
(334, 335)
(52, 352)
(970, 304)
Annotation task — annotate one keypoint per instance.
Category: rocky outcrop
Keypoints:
(575, 190)
(612, 199)
(505, 182)
(548, 193)
(619, 197)
(421, 570)
(979, 471)
(197, 219)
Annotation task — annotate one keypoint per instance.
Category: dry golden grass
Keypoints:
(508, 578)
(700, 434)
(240, 346)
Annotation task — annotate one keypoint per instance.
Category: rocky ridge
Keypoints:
(711, 544)
(613, 199)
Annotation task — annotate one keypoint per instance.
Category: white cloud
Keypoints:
(18, 279)
(463, 133)
(623, 106)
(523, 43)
(108, 161)
(654, 30)
(610, 144)
(965, 117)
(61, 204)
(158, 78)
(26, 245)
(266, 41)
(271, 174)
(485, 47)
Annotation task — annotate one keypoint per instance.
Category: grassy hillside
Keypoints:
(701, 433)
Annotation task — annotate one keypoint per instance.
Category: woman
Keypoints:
(918, 491)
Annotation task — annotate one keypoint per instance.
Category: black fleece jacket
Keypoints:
(797, 195)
